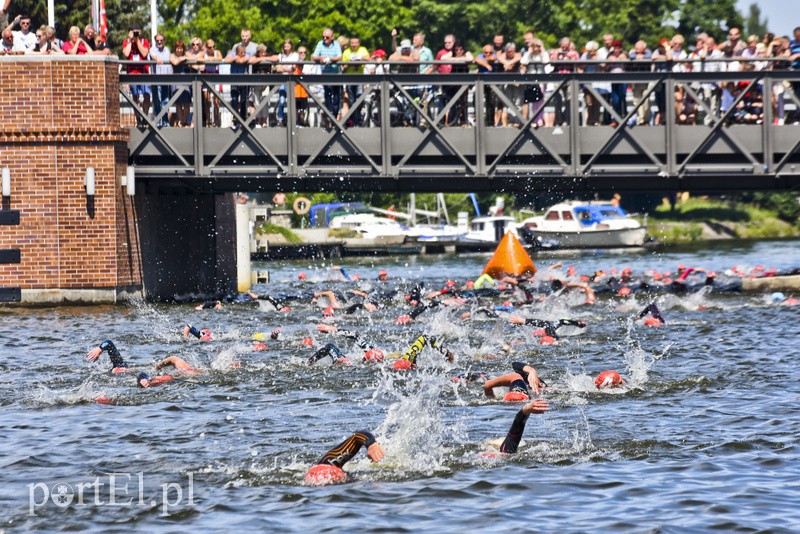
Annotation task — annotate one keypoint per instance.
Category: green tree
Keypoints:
(714, 18)
(754, 24)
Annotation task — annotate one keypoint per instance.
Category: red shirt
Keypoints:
(67, 46)
(136, 56)
(443, 69)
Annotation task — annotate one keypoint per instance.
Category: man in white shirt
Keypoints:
(24, 39)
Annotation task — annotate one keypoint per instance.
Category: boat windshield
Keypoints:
(591, 214)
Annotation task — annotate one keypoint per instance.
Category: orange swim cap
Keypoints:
(652, 321)
(608, 379)
(301, 276)
(323, 474)
(624, 291)
(308, 341)
(205, 335)
(516, 396)
(401, 365)
(547, 340)
(258, 347)
(538, 332)
(373, 355)
(328, 312)
(403, 319)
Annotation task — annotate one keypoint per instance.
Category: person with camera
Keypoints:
(136, 47)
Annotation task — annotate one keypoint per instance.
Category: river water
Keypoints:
(704, 437)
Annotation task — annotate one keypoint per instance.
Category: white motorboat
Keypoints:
(490, 229)
(376, 230)
(585, 225)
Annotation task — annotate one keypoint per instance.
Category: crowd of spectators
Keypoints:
(513, 104)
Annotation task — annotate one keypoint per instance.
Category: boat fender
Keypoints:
(301, 205)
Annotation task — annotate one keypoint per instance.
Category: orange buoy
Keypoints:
(608, 379)
(510, 258)
(401, 365)
(323, 474)
(516, 396)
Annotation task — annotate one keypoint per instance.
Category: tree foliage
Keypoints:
(754, 25)
(714, 18)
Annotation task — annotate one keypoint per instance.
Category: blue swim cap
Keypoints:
(141, 376)
(777, 296)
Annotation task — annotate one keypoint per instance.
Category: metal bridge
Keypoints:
(434, 133)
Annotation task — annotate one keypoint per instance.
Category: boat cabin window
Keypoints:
(584, 215)
(610, 214)
(551, 216)
(477, 227)
(567, 216)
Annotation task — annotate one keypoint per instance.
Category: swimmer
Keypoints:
(210, 304)
(608, 379)
(471, 376)
(202, 335)
(277, 304)
(511, 442)
(518, 382)
(330, 352)
(178, 363)
(656, 320)
(143, 380)
(409, 358)
(383, 275)
(118, 364)
(371, 354)
(549, 327)
(328, 469)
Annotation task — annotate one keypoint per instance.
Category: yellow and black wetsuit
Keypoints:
(416, 347)
(344, 452)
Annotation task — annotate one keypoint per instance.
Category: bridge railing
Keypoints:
(471, 125)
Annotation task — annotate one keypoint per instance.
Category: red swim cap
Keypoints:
(401, 365)
(258, 347)
(652, 321)
(308, 341)
(450, 283)
(301, 276)
(328, 312)
(516, 396)
(323, 474)
(205, 334)
(624, 291)
(403, 319)
(608, 379)
(470, 284)
(373, 355)
(344, 361)
(547, 340)
(538, 332)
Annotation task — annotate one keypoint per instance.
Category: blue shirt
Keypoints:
(794, 48)
(333, 50)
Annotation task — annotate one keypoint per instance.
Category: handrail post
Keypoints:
(385, 125)
(767, 144)
(197, 119)
(670, 123)
(291, 126)
(574, 124)
(480, 128)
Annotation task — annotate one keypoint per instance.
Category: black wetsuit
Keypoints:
(514, 436)
(278, 304)
(194, 331)
(330, 350)
(551, 327)
(209, 304)
(417, 311)
(653, 310)
(113, 353)
(344, 452)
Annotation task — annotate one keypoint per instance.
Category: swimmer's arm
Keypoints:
(165, 362)
(572, 322)
(529, 374)
(449, 356)
(189, 329)
(95, 353)
(489, 385)
(331, 296)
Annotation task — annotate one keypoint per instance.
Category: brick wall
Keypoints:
(59, 116)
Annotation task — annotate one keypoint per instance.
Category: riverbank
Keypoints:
(702, 219)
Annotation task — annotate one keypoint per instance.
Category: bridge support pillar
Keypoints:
(188, 243)
(67, 226)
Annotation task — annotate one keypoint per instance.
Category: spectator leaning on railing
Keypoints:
(161, 54)
(136, 47)
(328, 53)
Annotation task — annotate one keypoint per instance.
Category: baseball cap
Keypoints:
(405, 44)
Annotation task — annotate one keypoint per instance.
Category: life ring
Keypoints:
(301, 205)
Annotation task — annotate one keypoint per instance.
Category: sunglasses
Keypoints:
(24, 23)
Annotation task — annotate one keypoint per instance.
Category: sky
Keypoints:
(782, 15)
